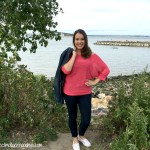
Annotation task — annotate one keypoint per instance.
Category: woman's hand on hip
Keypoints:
(92, 82)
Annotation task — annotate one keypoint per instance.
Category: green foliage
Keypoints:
(27, 103)
(138, 126)
(135, 137)
(46, 134)
(25, 22)
(128, 118)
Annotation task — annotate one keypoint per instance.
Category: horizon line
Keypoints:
(70, 34)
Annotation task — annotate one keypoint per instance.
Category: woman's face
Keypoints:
(79, 41)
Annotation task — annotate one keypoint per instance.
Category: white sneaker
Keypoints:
(85, 142)
(76, 146)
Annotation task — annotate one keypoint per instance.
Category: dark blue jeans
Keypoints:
(84, 103)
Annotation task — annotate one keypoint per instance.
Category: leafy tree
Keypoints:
(25, 22)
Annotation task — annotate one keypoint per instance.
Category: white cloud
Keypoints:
(128, 16)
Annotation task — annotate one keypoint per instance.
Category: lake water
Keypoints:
(123, 60)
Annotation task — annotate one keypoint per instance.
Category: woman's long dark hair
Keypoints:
(86, 51)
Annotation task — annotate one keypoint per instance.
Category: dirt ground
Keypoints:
(64, 142)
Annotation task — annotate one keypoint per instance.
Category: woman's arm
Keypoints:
(68, 66)
(101, 67)
(100, 70)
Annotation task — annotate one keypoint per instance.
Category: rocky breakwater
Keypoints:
(124, 43)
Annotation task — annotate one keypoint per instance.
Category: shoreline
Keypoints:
(110, 86)
(104, 92)
(109, 78)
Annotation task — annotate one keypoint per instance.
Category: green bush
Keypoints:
(27, 102)
(45, 134)
(135, 137)
(129, 113)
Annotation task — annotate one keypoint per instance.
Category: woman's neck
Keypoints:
(78, 51)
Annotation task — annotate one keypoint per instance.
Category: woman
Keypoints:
(83, 70)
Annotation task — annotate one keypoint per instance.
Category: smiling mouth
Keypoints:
(80, 45)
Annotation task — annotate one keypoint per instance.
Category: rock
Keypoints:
(100, 105)
(102, 95)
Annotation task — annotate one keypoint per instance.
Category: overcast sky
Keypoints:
(105, 17)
